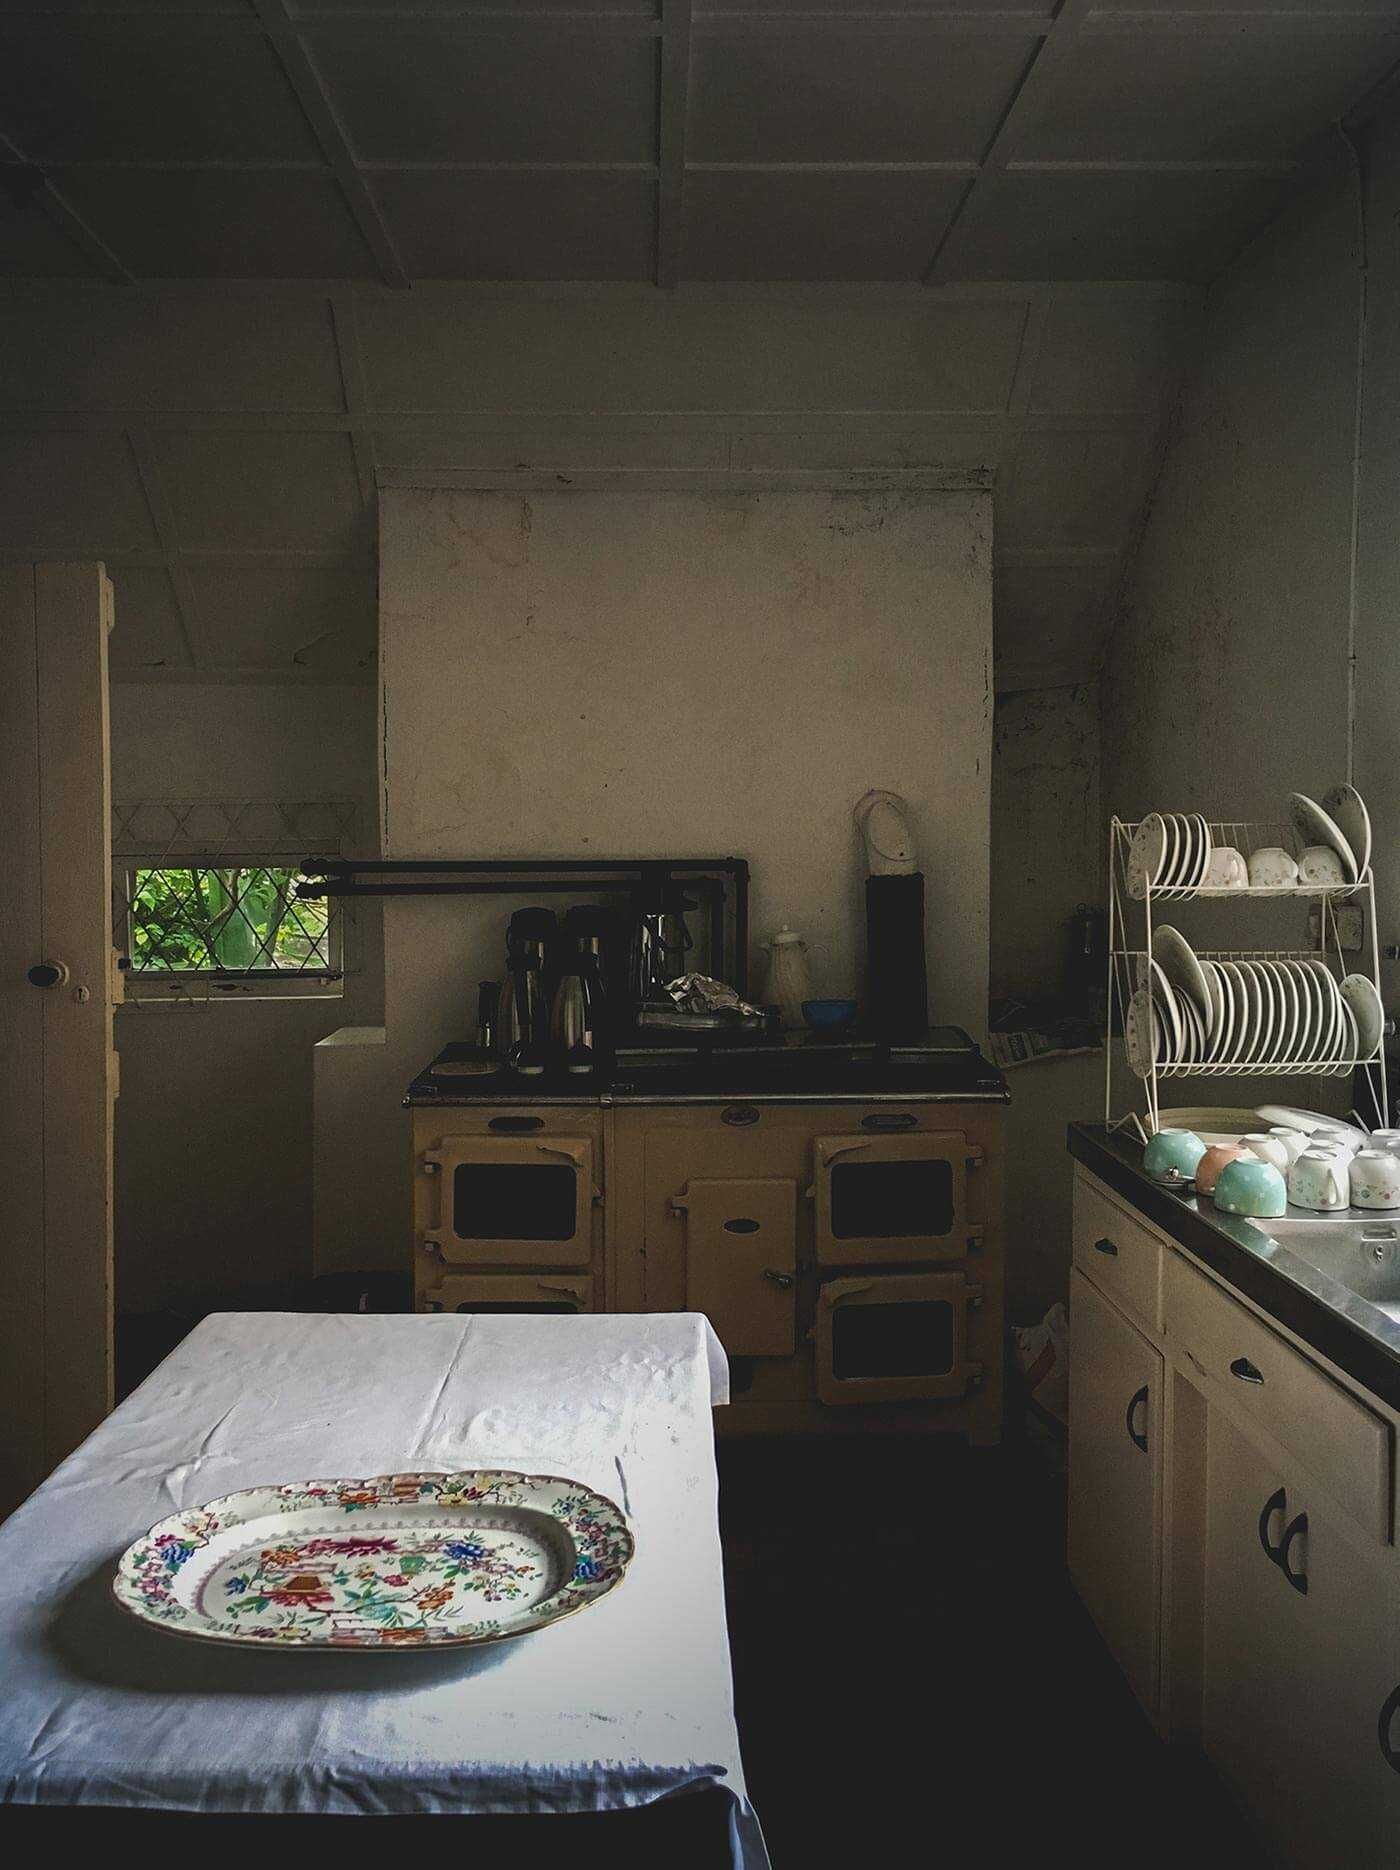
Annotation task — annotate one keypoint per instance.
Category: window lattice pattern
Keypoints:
(207, 888)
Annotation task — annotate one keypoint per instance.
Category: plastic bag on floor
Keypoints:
(1042, 1352)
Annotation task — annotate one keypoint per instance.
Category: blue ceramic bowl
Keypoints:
(829, 1015)
(1253, 1188)
(1173, 1155)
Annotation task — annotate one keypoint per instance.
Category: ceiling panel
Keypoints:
(164, 351)
(521, 224)
(222, 224)
(148, 635)
(31, 247)
(151, 90)
(237, 491)
(852, 96)
(1136, 96)
(799, 225)
(314, 617)
(540, 93)
(71, 492)
(1135, 225)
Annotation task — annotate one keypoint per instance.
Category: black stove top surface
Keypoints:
(944, 1063)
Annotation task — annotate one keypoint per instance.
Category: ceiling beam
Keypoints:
(26, 182)
(306, 81)
(673, 123)
(1017, 121)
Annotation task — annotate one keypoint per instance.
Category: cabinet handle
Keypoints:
(1390, 1707)
(1246, 1371)
(1139, 1401)
(1298, 1579)
(1106, 1246)
(739, 1114)
(515, 1126)
(740, 1225)
(1276, 1503)
(889, 1120)
(784, 1281)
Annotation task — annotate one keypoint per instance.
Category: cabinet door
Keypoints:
(513, 1200)
(741, 1261)
(1299, 1661)
(884, 1199)
(1115, 1482)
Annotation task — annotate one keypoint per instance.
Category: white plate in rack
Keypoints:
(1142, 1033)
(1314, 826)
(402, 1561)
(1364, 1004)
(1347, 809)
(1176, 958)
(1146, 855)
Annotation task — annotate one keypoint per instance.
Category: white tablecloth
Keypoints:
(629, 1702)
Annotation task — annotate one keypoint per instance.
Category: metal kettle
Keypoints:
(660, 940)
(579, 1026)
(522, 1031)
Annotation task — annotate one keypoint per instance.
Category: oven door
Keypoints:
(513, 1200)
(490, 1293)
(741, 1261)
(882, 1199)
(897, 1337)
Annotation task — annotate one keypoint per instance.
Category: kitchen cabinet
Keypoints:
(1115, 1482)
(1243, 1572)
(1299, 1658)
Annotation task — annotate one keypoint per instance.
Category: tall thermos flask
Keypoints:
(896, 960)
(579, 1027)
(522, 1032)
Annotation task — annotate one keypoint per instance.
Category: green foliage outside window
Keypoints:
(225, 920)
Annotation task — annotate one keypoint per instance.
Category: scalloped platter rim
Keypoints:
(417, 1561)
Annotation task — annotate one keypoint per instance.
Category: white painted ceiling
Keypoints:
(252, 252)
(659, 139)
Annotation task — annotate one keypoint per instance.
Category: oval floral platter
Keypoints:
(403, 1560)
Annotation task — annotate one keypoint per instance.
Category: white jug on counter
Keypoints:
(789, 977)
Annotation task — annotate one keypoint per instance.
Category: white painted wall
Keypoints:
(214, 1133)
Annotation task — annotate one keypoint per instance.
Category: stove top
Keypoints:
(944, 1063)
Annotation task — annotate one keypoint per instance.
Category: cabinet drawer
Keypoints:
(1335, 1437)
(1118, 1254)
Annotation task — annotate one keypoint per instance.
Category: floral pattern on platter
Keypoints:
(440, 1559)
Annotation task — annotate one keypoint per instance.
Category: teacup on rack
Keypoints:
(1227, 869)
(1320, 865)
(1271, 868)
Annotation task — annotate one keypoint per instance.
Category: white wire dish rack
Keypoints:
(1183, 1012)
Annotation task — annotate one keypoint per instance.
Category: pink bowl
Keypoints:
(1214, 1160)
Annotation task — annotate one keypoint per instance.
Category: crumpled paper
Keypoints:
(698, 993)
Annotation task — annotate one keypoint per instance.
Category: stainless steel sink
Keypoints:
(1360, 1252)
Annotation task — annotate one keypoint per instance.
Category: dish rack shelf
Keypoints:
(1130, 944)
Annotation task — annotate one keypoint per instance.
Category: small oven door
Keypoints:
(741, 1261)
(882, 1199)
(513, 1200)
(896, 1337)
(490, 1293)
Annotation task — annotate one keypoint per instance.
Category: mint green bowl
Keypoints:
(1172, 1156)
(1253, 1188)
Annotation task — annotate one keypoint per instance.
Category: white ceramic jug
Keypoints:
(789, 978)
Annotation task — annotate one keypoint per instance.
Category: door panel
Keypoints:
(505, 1292)
(896, 1337)
(892, 1198)
(741, 1261)
(1115, 1469)
(59, 1078)
(513, 1200)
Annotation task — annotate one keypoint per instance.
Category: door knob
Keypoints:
(785, 1281)
(47, 974)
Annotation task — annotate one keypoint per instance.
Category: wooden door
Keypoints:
(741, 1261)
(59, 1081)
(1115, 1482)
(1300, 1660)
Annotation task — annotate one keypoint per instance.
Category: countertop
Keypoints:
(1355, 1336)
(950, 1069)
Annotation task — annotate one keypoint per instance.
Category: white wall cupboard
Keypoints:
(1241, 1566)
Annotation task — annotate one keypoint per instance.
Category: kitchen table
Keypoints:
(626, 1705)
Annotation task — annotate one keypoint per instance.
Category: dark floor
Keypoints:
(916, 1680)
